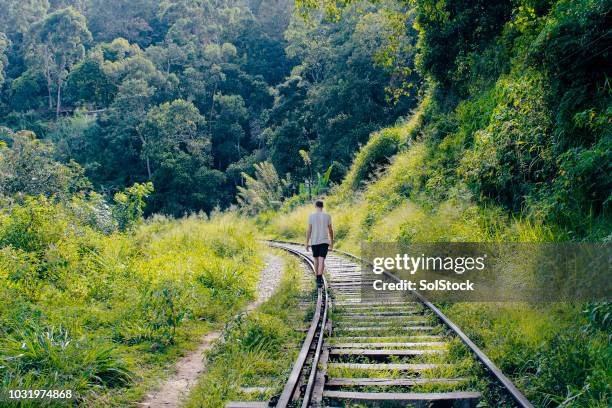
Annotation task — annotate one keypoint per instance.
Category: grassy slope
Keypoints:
(103, 315)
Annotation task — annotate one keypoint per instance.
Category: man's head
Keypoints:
(319, 204)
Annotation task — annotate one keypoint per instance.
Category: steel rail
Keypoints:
(507, 384)
(296, 372)
(317, 356)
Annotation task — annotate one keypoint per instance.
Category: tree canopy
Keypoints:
(189, 95)
(192, 95)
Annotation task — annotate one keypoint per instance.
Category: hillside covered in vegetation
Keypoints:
(514, 116)
(510, 142)
(417, 121)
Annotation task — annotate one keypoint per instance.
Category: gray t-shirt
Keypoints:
(320, 222)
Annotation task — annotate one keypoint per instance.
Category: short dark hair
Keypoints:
(319, 203)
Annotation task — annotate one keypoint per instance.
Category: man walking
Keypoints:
(321, 238)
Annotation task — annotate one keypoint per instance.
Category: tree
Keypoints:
(88, 82)
(4, 45)
(131, 105)
(28, 91)
(133, 85)
(173, 129)
(130, 204)
(118, 50)
(130, 19)
(178, 146)
(231, 116)
(353, 77)
(452, 32)
(223, 57)
(17, 16)
(56, 44)
(27, 167)
(259, 39)
(192, 21)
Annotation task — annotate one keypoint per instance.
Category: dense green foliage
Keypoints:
(189, 95)
(28, 167)
(336, 96)
(516, 110)
(262, 192)
(442, 120)
(117, 75)
(90, 310)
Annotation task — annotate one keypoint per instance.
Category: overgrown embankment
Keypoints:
(102, 313)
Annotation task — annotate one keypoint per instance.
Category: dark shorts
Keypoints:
(320, 250)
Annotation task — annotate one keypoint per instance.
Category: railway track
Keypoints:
(392, 350)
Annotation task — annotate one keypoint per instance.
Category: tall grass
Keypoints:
(393, 208)
(102, 314)
(550, 350)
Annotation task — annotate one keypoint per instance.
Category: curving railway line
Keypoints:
(393, 350)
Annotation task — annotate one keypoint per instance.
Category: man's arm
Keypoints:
(331, 235)
(308, 236)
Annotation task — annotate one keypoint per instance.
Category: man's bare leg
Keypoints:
(321, 267)
(318, 261)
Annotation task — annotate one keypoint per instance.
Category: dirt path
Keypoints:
(189, 368)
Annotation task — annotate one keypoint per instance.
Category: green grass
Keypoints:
(105, 315)
(549, 350)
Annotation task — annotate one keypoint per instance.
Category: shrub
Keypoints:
(130, 204)
(28, 168)
(513, 154)
(60, 361)
(581, 184)
(261, 331)
(159, 312)
(92, 210)
(262, 192)
(32, 225)
(163, 311)
(21, 270)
